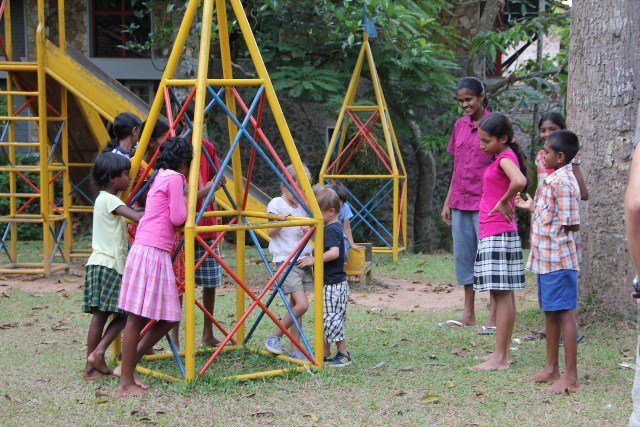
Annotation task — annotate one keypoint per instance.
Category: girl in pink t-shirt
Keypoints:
(498, 267)
(148, 284)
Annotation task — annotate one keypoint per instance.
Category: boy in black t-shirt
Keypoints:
(336, 288)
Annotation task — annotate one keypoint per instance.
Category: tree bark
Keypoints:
(602, 105)
(486, 24)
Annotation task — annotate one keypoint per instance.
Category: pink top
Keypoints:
(166, 209)
(495, 184)
(469, 164)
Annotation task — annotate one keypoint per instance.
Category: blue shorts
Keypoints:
(558, 290)
(464, 230)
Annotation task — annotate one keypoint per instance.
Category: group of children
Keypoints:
(487, 184)
(488, 181)
(143, 283)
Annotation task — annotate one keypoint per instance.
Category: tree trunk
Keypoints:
(602, 95)
(486, 24)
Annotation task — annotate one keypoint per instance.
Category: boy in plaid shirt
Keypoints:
(554, 257)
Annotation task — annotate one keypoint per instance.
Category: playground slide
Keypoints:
(93, 95)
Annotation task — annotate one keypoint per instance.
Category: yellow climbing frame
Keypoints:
(398, 171)
(191, 229)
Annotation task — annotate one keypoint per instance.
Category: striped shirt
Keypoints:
(552, 247)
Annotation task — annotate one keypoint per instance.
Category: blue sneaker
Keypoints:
(273, 344)
(296, 354)
(340, 360)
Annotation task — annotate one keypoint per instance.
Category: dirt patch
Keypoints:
(409, 295)
(38, 283)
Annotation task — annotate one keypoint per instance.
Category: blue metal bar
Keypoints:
(56, 141)
(176, 355)
(76, 188)
(371, 206)
(4, 237)
(143, 188)
(57, 247)
(242, 129)
(363, 213)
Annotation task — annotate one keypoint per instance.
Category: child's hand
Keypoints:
(526, 203)
(284, 216)
(305, 262)
(446, 214)
(504, 208)
(304, 229)
(357, 247)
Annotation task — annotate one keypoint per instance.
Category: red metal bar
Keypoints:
(257, 302)
(373, 143)
(167, 105)
(252, 154)
(269, 147)
(353, 140)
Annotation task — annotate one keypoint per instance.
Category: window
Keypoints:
(145, 90)
(116, 22)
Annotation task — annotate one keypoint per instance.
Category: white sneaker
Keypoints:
(273, 344)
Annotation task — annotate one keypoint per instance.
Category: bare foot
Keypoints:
(491, 356)
(544, 376)
(98, 363)
(130, 391)
(92, 374)
(493, 364)
(137, 381)
(210, 341)
(564, 385)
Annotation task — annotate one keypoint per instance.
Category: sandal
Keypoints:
(454, 324)
(487, 330)
(539, 335)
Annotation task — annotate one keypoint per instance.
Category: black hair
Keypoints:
(476, 87)
(341, 192)
(564, 141)
(498, 125)
(555, 118)
(174, 153)
(161, 128)
(122, 127)
(107, 166)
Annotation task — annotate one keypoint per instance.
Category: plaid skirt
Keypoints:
(149, 285)
(101, 289)
(209, 274)
(498, 264)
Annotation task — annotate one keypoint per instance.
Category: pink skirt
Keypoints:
(149, 285)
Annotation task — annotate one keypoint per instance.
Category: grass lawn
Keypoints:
(406, 370)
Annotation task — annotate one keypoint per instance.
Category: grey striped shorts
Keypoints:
(335, 299)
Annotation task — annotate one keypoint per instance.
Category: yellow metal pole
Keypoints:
(12, 136)
(158, 101)
(66, 184)
(42, 136)
(236, 160)
(348, 101)
(305, 185)
(194, 178)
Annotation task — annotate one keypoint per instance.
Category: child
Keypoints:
(106, 263)
(344, 218)
(552, 122)
(124, 133)
(554, 257)
(461, 205)
(148, 285)
(498, 267)
(300, 279)
(336, 288)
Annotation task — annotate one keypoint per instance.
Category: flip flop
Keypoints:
(538, 335)
(580, 338)
(487, 330)
(454, 324)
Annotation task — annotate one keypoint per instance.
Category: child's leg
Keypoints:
(469, 311)
(209, 302)
(127, 385)
(96, 358)
(299, 306)
(153, 335)
(491, 320)
(94, 335)
(175, 335)
(342, 346)
(327, 349)
(568, 381)
(505, 318)
(550, 372)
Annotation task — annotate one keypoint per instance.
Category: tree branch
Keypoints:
(513, 77)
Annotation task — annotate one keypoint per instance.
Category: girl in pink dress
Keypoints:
(148, 284)
(498, 267)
